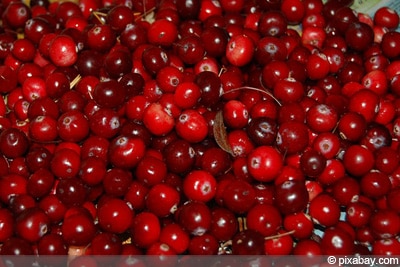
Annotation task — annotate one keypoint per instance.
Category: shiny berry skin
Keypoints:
(52, 244)
(265, 219)
(105, 123)
(321, 118)
(223, 224)
(291, 196)
(356, 32)
(292, 137)
(162, 32)
(65, 163)
(32, 224)
(337, 241)
(264, 163)
(358, 160)
(101, 38)
(17, 14)
(262, 131)
(63, 51)
(352, 126)
(17, 246)
(115, 216)
(71, 192)
(324, 210)
(7, 224)
(191, 126)
(358, 214)
(240, 50)
(23, 49)
(126, 151)
(248, 242)
(312, 163)
(280, 245)
(109, 94)
(13, 143)
(199, 185)
(157, 119)
(239, 196)
(235, 114)
(162, 200)
(194, 217)
(179, 156)
(40, 183)
(106, 244)
(73, 126)
(145, 229)
(300, 223)
(375, 184)
(78, 229)
(176, 237)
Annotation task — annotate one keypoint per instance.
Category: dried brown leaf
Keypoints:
(220, 134)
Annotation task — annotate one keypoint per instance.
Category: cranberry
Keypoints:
(238, 196)
(78, 229)
(265, 219)
(115, 216)
(248, 242)
(264, 163)
(32, 224)
(62, 51)
(199, 186)
(194, 217)
(13, 143)
(145, 223)
(52, 244)
(337, 241)
(126, 151)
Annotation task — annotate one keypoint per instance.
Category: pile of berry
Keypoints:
(205, 127)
